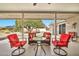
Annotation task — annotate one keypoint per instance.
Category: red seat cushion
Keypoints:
(14, 41)
(21, 43)
(58, 43)
(64, 39)
(61, 44)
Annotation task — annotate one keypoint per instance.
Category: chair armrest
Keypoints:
(22, 43)
(55, 42)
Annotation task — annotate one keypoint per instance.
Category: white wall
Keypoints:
(70, 26)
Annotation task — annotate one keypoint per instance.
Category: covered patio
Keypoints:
(57, 12)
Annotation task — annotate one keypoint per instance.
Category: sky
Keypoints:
(11, 22)
(47, 22)
(8, 22)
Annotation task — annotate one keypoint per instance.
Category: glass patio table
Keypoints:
(39, 39)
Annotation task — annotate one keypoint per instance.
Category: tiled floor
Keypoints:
(5, 49)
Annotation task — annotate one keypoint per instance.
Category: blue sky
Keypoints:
(11, 22)
(8, 22)
(47, 22)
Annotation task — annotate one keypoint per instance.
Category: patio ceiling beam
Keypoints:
(35, 15)
(26, 15)
(39, 12)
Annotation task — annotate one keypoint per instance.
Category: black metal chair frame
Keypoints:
(18, 49)
(60, 49)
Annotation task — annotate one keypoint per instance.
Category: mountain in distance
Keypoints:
(9, 26)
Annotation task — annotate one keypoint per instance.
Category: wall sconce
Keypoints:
(74, 25)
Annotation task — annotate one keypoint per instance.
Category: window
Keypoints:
(62, 28)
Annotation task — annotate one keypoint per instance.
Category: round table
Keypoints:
(39, 44)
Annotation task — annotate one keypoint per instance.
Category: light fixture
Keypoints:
(74, 25)
(34, 4)
(49, 3)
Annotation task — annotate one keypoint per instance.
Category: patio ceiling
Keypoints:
(41, 10)
(64, 16)
(63, 7)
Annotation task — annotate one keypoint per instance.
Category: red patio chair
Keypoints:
(64, 40)
(47, 37)
(14, 42)
(73, 35)
(31, 35)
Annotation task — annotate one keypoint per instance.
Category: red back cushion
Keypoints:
(31, 35)
(65, 37)
(13, 38)
(73, 34)
(47, 35)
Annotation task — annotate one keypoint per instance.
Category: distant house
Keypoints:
(60, 29)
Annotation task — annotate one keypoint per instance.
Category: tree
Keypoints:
(36, 23)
